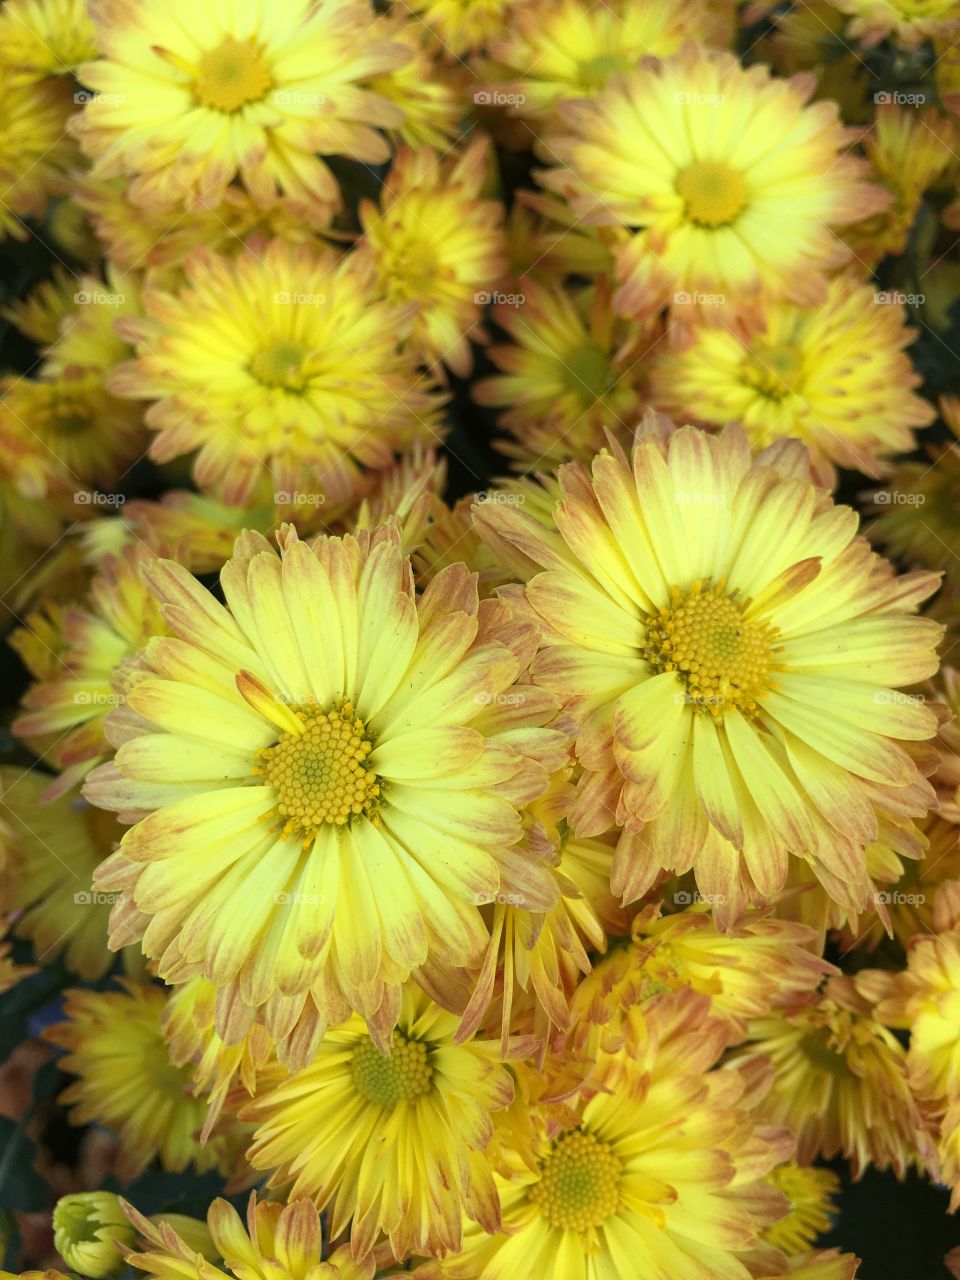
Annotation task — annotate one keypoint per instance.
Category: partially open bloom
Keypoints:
(185, 107)
(834, 376)
(438, 246)
(35, 151)
(458, 27)
(704, 611)
(343, 756)
(809, 1191)
(45, 37)
(283, 369)
(392, 1141)
(728, 180)
(87, 1228)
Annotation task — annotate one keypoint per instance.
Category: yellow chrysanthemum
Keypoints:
(910, 151)
(35, 151)
(908, 22)
(834, 376)
(425, 89)
(546, 242)
(572, 373)
(279, 1242)
(340, 753)
(809, 1192)
(728, 180)
(393, 1142)
(702, 609)
(437, 246)
(79, 656)
(661, 1179)
(283, 369)
(573, 55)
(187, 101)
(87, 1229)
(45, 37)
(839, 1082)
(126, 1081)
(459, 27)
(40, 315)
(48, 853)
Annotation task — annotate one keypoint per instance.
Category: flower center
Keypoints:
(587, 372)
(402, 1076)
(232, 75)
(579, 1183)
(281, 365)
(722, 659)
(595, 72)
(321, 775)
(774, 371)
(714, 194)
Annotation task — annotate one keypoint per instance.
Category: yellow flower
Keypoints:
(839, 1082)
(283, 369)
(40, 315)
(393, 1142)
(46, 37)
(186, 101)
(908, 22)
(279, 1242)
(729, 182)
(87, 1227)
(35, 151)
(436, 245)
(835, 376)
(458, 27)
(809, 1192)
(946, 779)
(330, 744)
(49, 850)
(727, 645)
(572, 372)
(583, 45)
(424, 88)
(79, 657)
(127, 1083)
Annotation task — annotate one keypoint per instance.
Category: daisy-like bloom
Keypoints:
(702, 610)
(35, 151)
(835, 376)
(908, 22)
(46, 37)
(49, 852)
(282, 368)
(40, 315)
(810, 1194)
(409, 493)
(184, 106)
(79, 656)
(279, 1242)
(582, 46)
(189, 1027)
(436, 246)
(572, 372)
(127, 1083)
(335, 772)
(924, 999)
(840, 1082)
(909, 151)
(661, 1179)
(729, 182)
(460, 27)
(394, 1142)
(87, 1228)
(426, 90)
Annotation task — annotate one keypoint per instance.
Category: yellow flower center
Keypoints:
(321, 775)
(587, 372)
(579, 1185)
(402, 1076)
(773, 370)
(231, 75)
(713, 193)
(281, 365)
(723, 659)
(595, 72)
